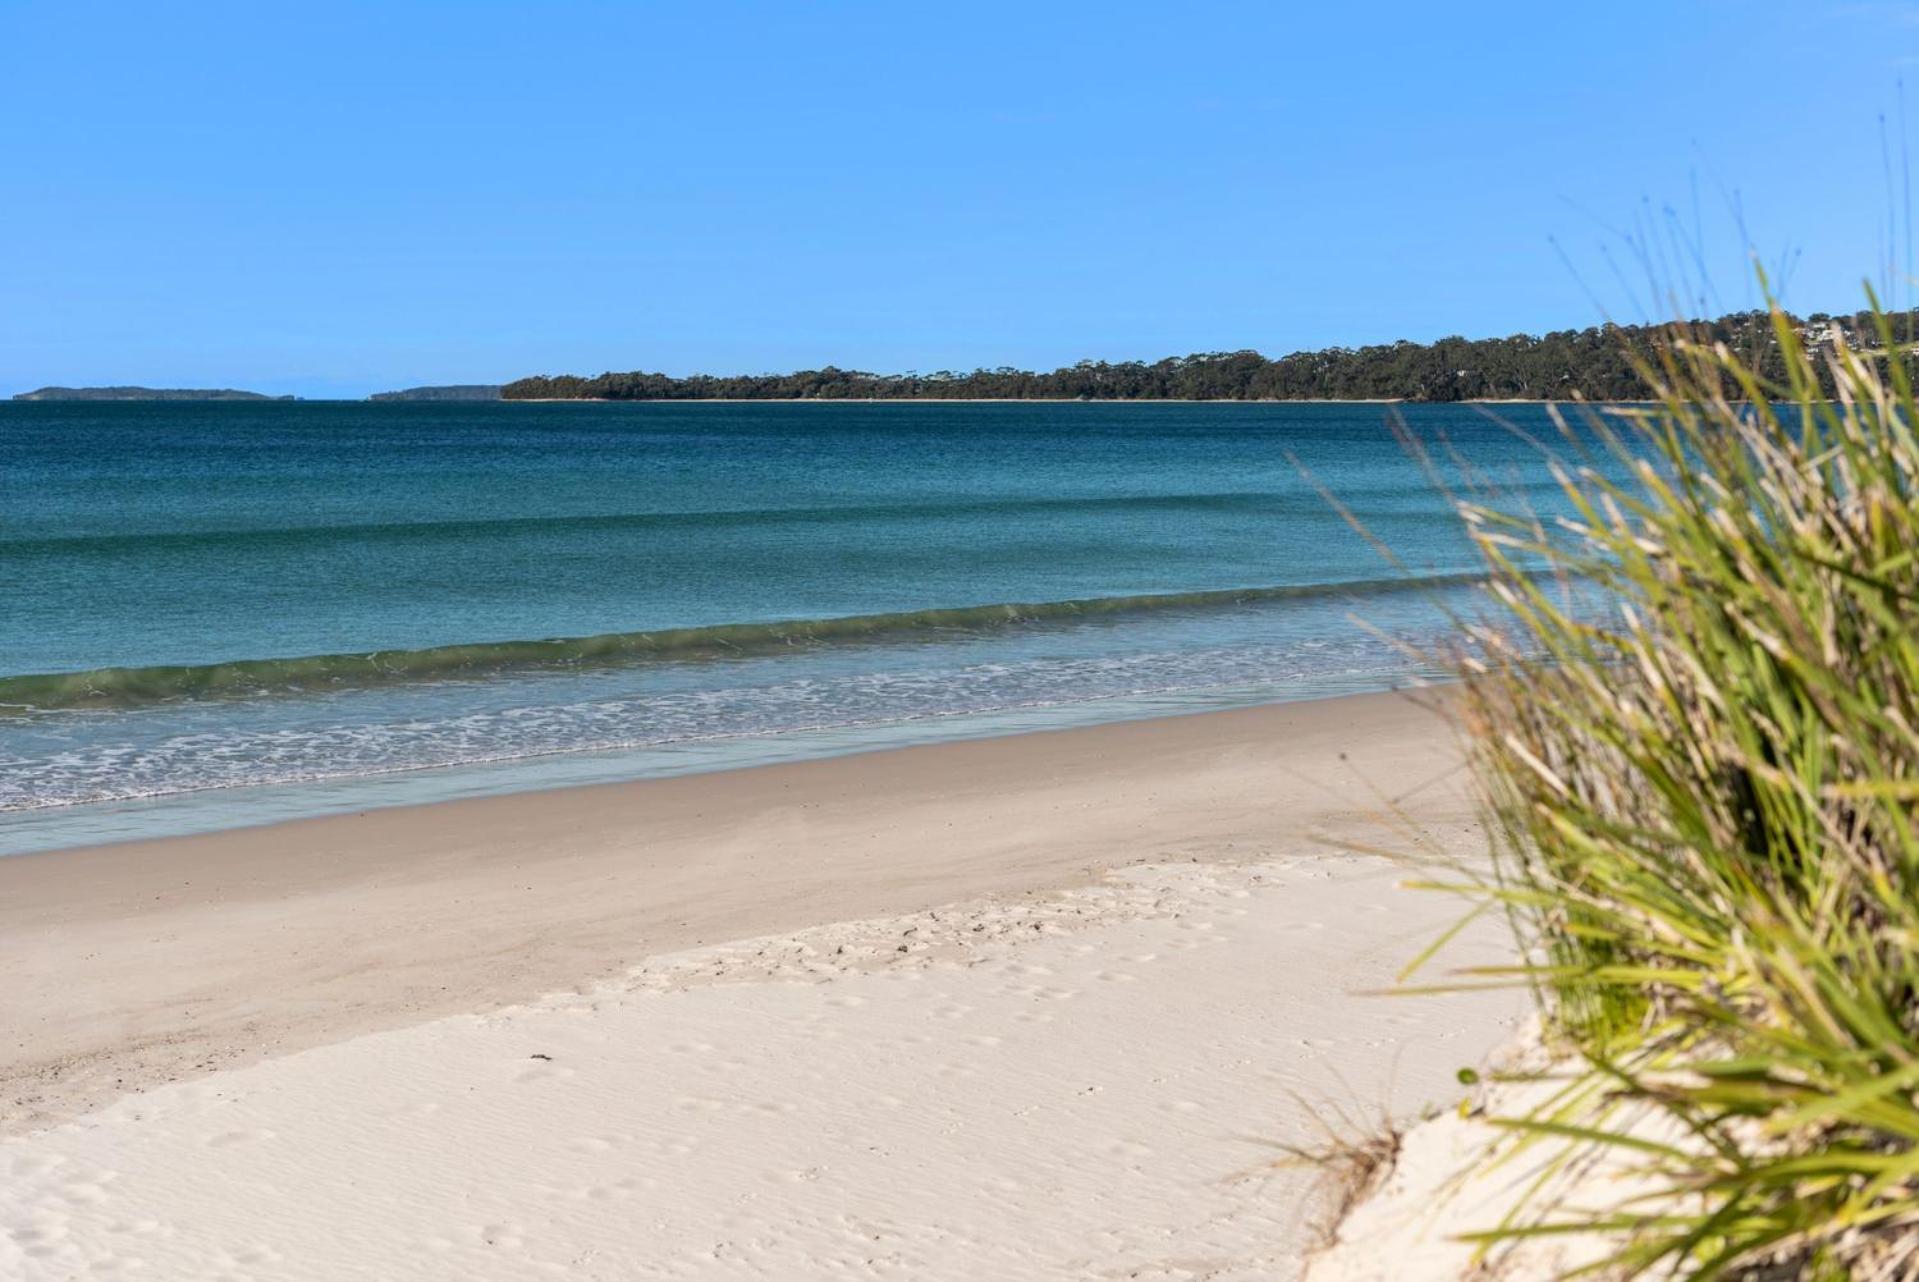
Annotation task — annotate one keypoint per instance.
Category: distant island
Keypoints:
(453, 392)
(144, 394)
(1589, 362)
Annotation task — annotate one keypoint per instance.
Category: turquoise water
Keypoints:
(225, 613)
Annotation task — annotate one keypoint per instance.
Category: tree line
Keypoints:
(1594, 363)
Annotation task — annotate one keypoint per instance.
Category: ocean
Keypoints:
(232, 613)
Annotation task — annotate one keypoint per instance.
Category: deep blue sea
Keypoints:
(217, 614)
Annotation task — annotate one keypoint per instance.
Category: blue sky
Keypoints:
(331, 199)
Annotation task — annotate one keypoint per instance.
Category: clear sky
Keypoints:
(335, 198)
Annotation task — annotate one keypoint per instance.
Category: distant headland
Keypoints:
(1594, 363)
(1598, 363)
(452, 392)
(145, 394)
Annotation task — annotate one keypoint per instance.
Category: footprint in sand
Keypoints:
(618, 1189)
(805, 1176)
(36, 1241)
(227, 1139)
(544, 1073)
(508, 1237)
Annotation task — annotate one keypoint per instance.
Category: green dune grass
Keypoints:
(1706, 807)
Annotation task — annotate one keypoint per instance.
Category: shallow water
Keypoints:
(226, 613)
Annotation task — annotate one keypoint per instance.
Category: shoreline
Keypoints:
(164, 959)
(965, 400)
(845, 400)
(1018, 400)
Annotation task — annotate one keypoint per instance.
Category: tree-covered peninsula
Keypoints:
(1594, 363)
(451, 392)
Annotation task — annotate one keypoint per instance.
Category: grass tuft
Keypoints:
(1705, 801)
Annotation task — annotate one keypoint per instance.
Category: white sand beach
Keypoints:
(1040, 1007)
